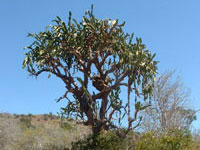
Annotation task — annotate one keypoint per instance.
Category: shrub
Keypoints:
(66, 125)
(26, 122)
(173, 140)
(107, 141)
(102, 141)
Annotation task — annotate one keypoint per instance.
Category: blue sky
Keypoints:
(170, 28)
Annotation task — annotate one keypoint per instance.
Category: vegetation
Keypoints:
(22, 133)
(96, 60)
(52, 135)
(169, 106)
(97, 54)
(175, 139)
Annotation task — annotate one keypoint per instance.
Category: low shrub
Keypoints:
(102, 141)
(26, 122)
(174, 140)
(66, 125)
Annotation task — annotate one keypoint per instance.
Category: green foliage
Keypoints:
(174, 140)
(57, 40)
(99, 52)
(51, 136)
(102, 141)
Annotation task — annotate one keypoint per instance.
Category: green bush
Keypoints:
(17, 134)
(174, 140)
(103, 141)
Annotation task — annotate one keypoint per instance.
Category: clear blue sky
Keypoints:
(170, 28)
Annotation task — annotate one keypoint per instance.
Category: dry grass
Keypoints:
(47, 132)
(39, 132)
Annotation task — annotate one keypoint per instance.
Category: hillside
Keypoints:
(49, 132)
(35, 132)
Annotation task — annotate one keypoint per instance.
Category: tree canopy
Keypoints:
(96, 60)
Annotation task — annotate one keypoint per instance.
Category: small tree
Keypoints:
(168, 108)
(95, 59)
